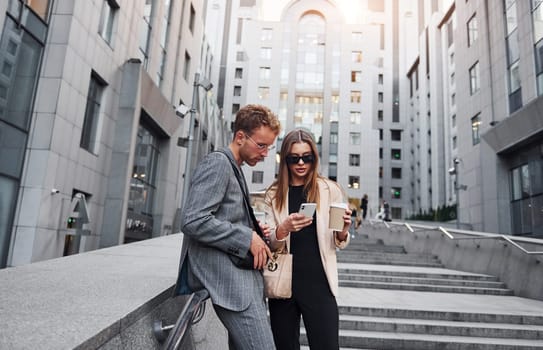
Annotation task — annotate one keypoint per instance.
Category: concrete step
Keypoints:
(429, 273)
(405, 341)
(438, 327)
(392, 256)
(384, 261)
(438, 315)
(408, 341)
(425, 287)
(420, 280)
(362, 246)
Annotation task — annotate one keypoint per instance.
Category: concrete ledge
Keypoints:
(104, 299)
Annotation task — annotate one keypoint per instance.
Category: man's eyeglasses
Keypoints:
(261, 146)
(309, 158)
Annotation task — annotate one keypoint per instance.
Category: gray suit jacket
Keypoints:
(215, 224)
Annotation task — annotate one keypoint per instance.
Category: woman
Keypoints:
(312, 243)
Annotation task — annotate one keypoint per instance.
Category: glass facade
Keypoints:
(139, 222)
(21, 48)
(527, 198)
(309, 104)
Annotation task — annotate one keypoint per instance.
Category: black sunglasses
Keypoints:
(296, 159)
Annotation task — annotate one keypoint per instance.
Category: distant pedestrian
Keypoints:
(364, 206)
(386, 209)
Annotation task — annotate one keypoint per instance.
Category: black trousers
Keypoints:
(321, 320)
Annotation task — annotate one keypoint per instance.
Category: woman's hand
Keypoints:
(266, 230)
(346, 225)
(293, 223)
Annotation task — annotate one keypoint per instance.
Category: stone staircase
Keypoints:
(390, 299)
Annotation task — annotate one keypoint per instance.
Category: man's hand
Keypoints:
(260, 250)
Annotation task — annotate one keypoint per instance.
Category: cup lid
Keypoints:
(339, 205)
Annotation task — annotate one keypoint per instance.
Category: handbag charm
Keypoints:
(272, 264)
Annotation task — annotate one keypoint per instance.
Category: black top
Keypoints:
(307, 270)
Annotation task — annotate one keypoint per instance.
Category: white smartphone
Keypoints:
(308, 209)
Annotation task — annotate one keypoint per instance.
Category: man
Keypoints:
(218, 229)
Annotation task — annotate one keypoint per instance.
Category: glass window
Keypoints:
(511, 15)
(354, 159)
(192, 18)
(354, 182)
(356, 36)
(539, 65)
(380, 115)
(164, 33)
(265, 53)
(396, 192)
(396, 154)
(40, 7)
(186, 67)
(89, 134)
(266, 34)
(12, 150)
(107, 19)
(356, 76)
(396, 173)
(239, 73)
(356, 57)
(396, 135)
(475, 129)
(474, 78)
(537, 18)
(142, 186)
(356, 96)
(18, 74)
(513, 53)
(380, 79)
(145, 31)
(354, 138)
(355, 117)
(263, 92)
(472, 30)
(514, 77)
(237, 90)
(265, 73)
(258, 177)
(380, 97)
(525, 181)
(8, 188)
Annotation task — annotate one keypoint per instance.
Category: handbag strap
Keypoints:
(244, 190)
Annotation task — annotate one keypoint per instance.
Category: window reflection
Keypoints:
(40, 7)
(139, 224)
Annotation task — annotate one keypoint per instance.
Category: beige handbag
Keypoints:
(278, 275)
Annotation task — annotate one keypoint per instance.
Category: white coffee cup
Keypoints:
(337, 210)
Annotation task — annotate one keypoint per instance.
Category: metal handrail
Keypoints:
(477, 235)
(192, 313)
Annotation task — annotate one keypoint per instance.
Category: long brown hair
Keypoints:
(280, 185)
